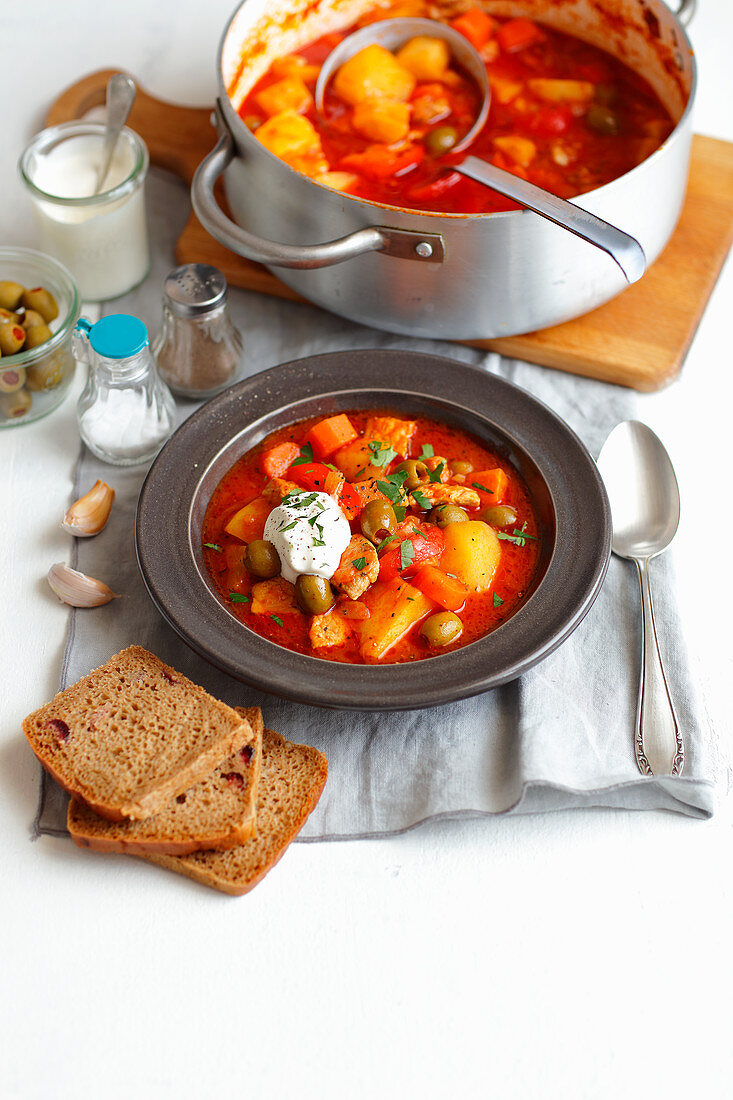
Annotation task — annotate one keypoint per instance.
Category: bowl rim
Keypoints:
(31, 255)
(173, 489)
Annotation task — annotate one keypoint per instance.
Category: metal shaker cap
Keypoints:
(194, 289)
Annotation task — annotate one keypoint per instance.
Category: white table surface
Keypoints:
(580, 954)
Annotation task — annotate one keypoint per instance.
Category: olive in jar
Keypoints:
(314, 594)
(10, 294)
(378, 520)
(442, 629)
(42, 301)
(262, 559)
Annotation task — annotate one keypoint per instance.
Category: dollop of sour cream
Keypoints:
(310, 533)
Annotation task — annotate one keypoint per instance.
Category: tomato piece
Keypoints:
(427, 545)
(310, 475)
(549, 121)
(517, 34)
(380, 161)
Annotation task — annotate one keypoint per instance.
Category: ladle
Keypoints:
(393, 33)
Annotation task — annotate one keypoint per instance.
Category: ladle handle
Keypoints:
(658, 743)
(620, 246)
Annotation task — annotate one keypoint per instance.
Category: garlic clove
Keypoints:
(77, 588)
(88, 515)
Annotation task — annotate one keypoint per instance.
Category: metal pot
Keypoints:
(451, 276)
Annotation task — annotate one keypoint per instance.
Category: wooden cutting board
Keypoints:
(639, 339)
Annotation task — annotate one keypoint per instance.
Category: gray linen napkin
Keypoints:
(559, 737)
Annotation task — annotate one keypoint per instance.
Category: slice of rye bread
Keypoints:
(217, 812)
(291, 782)
(133, 734)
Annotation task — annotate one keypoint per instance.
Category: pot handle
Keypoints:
(685, 11)
(405, 244)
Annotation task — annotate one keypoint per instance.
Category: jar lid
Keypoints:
(193, 289)
(117, 336)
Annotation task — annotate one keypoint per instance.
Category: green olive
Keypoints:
(461, 467)
(12, 338)
(444, 514)
(31, 318)
(36, 335)
(606, 93)
(314, 594)
(262, 558)
(442, 629)
(417, 472)
(602, 119)
(378, 520)
(441, 140)
(499, 515)
(10, 294)
(42, 301)
(10, 316)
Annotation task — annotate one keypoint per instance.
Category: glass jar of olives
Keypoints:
(39, 306)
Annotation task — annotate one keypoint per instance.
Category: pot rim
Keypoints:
(355, 201)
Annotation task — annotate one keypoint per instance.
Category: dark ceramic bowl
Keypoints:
(568, 495)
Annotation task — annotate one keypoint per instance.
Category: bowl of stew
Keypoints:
(375, 530)
(360, 210)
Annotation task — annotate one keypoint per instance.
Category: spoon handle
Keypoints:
(658, 743)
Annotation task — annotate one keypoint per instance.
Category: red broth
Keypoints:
(568, 144)
(481, 613)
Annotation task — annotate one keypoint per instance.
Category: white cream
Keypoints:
(299, 526)
(103, 243)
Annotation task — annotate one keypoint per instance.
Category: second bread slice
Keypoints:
(217, 812)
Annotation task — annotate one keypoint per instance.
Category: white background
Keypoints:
(579, 954)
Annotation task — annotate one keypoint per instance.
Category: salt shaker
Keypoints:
(125, 411)
(198, 349)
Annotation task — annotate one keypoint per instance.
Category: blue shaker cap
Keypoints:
(117, 336)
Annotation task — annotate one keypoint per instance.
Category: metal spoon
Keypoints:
(121, 93)
(645, 507)
(393, 33)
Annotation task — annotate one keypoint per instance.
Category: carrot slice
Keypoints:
(476, 26)
(517, 34)
(447, 591)
(491, 485)
(278, 460)
(330, 434)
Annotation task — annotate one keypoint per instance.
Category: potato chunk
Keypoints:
(426, 58)
(275, 597)
(472, 553)
(293, 139)
(384, 120)
(397, 608)
(339, 181)
(289, 94)
(373, 71)
(519, 149)
(562, 91)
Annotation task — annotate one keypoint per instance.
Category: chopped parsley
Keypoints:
(385, 542)
(382, 454)
(212, 546)
(437, 473)
(359, 563)
(407, 553)
(290, 526)
(306, 455)
(276, 619)
(421, 500)
(478, 485)
(497, 600)
(427, 451)
(400, 512)
(235, 597)
(393, 486)
(518, 536)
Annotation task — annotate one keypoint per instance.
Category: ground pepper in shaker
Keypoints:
(198, 349)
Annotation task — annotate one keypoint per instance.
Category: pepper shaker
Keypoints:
(198, 350)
